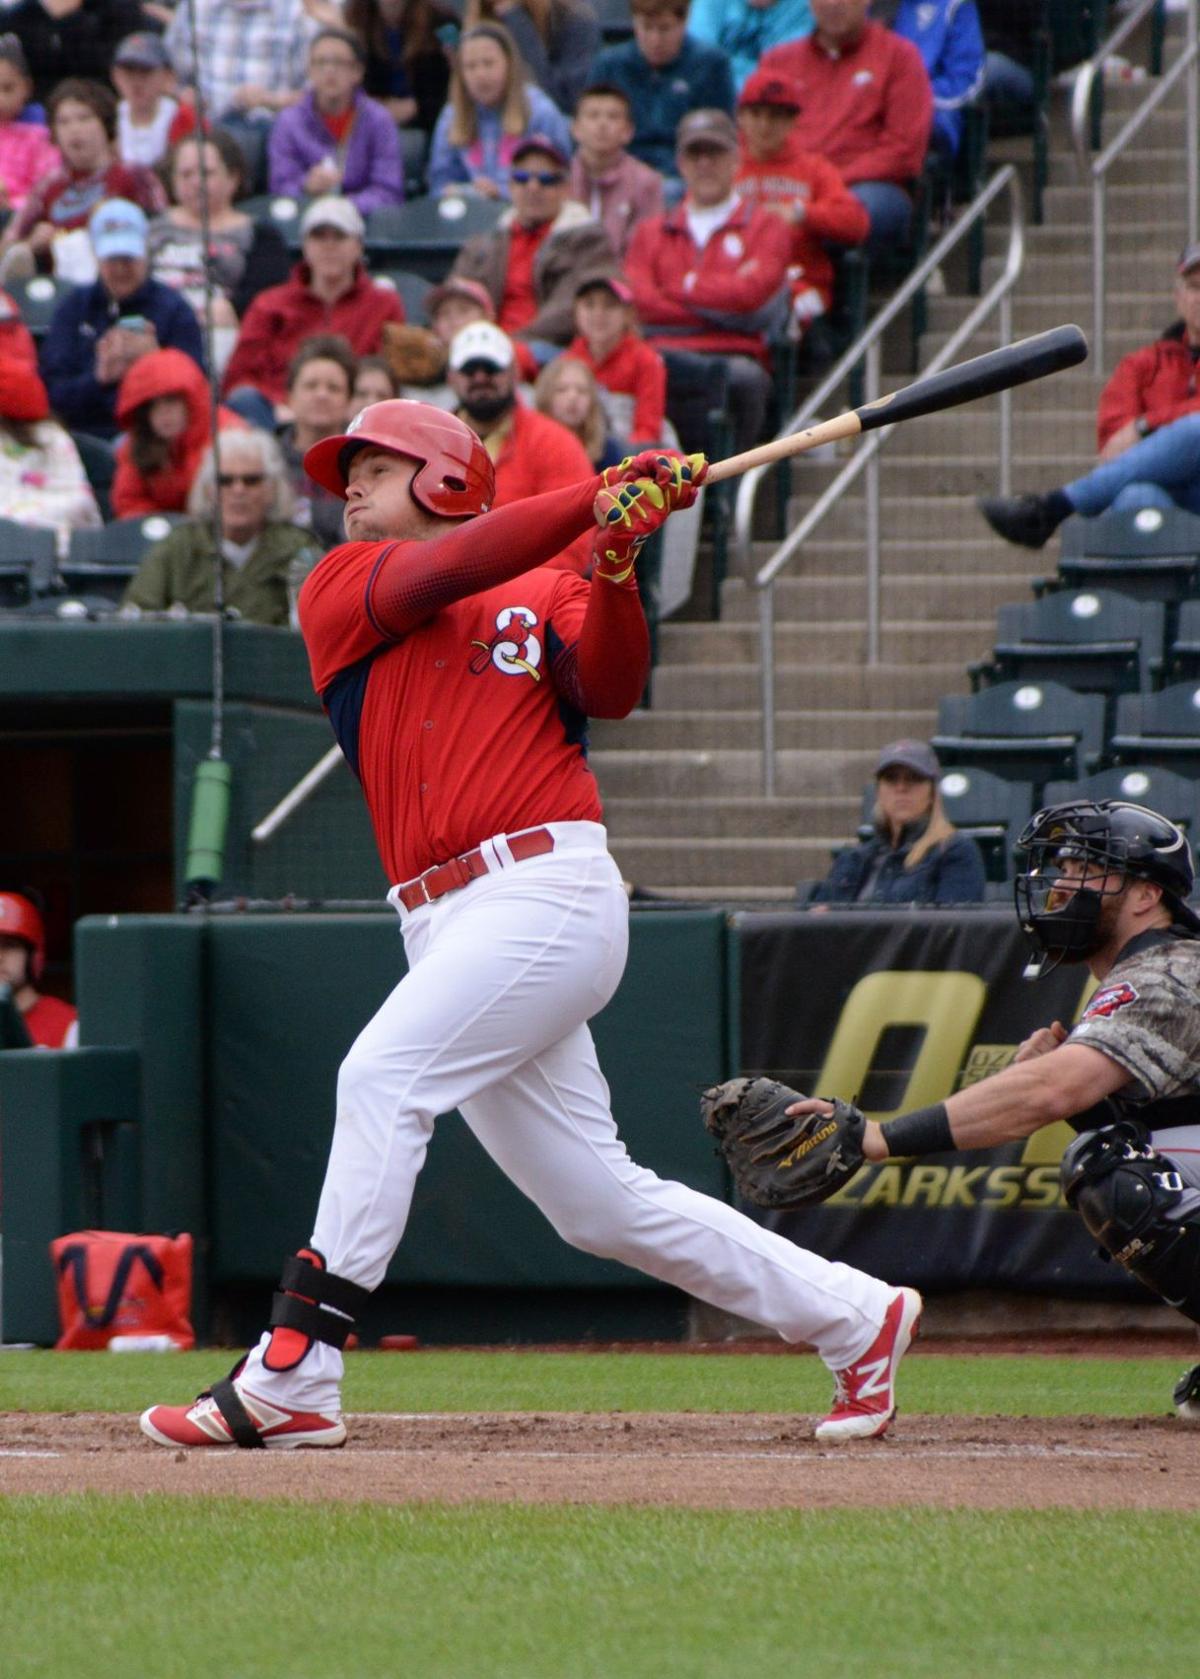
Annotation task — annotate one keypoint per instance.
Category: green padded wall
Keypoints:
(288, 994)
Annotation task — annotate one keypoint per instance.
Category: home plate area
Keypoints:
(738, 1461)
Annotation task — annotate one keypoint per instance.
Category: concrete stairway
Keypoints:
(682, 780)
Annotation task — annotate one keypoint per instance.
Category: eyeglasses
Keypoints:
(250, 479)
(543, 177)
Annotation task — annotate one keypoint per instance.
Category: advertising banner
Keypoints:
(895, 1010)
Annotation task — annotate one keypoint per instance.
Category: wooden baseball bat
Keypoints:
(998, 370)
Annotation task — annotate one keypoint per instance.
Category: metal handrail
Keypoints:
(1096, 169)
(865, 457)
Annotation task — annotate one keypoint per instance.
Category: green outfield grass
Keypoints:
(515, 1381)
(156, 1589)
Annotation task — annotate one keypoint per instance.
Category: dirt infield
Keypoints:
(746, 1462)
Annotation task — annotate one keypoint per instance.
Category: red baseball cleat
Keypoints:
(229, 1416)
(864, 1401)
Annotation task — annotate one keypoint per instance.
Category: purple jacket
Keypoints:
(372, 167)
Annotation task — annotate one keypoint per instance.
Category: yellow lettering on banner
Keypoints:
(923, 1186)
(983, 1061)
(946, 1004)
(1004, 1185)
(1042, 1188)
(961, 1182)
(885, 1190)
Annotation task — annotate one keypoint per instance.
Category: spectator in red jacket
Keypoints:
(711, 275)
(329, 291)
(530, 451)
(83, 125)
(632, 376)
(163, 408)
(866, 105)
(802, 188)
(1148, 429)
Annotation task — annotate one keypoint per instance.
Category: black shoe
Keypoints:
(1027, 520)
(1187, 1395)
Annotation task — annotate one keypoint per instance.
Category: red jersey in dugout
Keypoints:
(457, 731)
(112, 1283)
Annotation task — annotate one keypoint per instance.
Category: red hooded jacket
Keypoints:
(164, 373)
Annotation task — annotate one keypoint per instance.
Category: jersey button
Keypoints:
(424, 787)
(439, 664)
(427, 724)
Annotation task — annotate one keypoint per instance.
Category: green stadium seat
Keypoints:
(1024, 731)
(1170, 794)
(1161, 729)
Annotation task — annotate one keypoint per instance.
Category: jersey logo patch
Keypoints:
(514, 650)
(1106, 1003)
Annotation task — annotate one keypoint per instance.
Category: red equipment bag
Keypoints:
(111, 1283)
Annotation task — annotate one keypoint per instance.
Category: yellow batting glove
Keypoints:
(627, 515)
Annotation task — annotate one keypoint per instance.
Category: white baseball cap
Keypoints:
(118, 228)
(332, 211)
(481, 341)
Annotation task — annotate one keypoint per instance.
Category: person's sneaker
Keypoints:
(864, 1400)
(1026, 520)
(202, 1424)
(1187, 1396)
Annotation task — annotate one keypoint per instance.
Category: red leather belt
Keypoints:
(461, 871)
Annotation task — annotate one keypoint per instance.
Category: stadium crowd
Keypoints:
(667, 208)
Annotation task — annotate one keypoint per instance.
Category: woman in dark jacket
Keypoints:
(915, 855)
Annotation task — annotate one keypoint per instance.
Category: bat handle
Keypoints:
(783, 448)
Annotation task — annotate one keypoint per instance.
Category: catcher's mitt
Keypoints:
(778, 1159)
(413, 353)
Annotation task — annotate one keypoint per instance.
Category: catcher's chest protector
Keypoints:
(111, 1283)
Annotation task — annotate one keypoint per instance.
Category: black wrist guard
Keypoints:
(924, 1131)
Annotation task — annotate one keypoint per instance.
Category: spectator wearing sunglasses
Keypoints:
(265, 556)
(533, 261)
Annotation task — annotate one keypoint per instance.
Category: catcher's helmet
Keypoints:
(1110, 839)
(19, 919)
(456, 478)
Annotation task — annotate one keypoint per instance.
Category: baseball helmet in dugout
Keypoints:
(1110, 841)
(20, 919)
(456, 478)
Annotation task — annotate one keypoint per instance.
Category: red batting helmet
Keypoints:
(19, 919)
(456, 477)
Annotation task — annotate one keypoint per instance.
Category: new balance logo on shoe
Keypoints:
(865, 1399)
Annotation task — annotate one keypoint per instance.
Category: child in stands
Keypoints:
(632, 376)
(490, 110)
(149, 118)
(163, 407)
(801, 187)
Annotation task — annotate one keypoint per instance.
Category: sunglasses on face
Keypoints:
(249, 479)
(543, 177)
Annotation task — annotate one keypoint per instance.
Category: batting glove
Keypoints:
(679, 475)
(627, 515)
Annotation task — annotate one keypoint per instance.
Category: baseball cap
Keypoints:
(457, 285)
(767, 87)
(706, 128)
(480, 341)
(915, 755)
(332, 211)
(142, 51)
(118, 229)
(1189, 258)
(611, 282)
(540, 143)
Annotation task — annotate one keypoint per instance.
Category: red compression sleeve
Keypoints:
(414, 580)
(604, 674)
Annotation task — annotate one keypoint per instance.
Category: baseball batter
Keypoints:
(458, 670)
(1104, 883)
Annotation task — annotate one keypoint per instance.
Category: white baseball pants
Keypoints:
(490, 1019)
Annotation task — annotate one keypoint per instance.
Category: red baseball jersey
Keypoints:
(457, 731)
(51, 1023)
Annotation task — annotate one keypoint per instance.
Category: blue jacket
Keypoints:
(698, 77)
(744, 32)
(68, 354)
(949, 874)
(491, 153)
(948, 36)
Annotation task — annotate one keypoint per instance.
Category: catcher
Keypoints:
(1105, 883)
